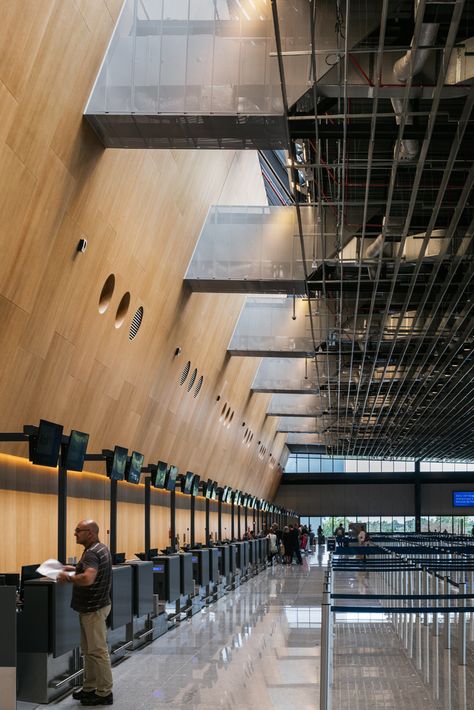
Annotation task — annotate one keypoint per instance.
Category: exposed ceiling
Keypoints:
(394, 376)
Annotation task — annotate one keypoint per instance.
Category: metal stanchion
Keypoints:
(471, 620)
(418, 623)
(447, 619)
(326, 660)
(434, 590)
(462, 627)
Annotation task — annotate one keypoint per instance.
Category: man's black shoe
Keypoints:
(95, 699)
(82, 694)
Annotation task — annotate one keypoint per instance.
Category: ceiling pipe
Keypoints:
(409, 147)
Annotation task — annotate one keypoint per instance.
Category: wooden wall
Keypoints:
(141, 213)
(28, 505)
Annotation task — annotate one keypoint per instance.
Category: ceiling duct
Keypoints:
(409, 147)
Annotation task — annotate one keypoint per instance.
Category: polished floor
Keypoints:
(258, 648)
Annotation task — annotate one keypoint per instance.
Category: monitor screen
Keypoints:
(46, 444)
(230, 493)
(208, 491)
(116, 465)
(215, 486)
(237, 497)
(463, 499)
(222, 493)
(160, 475)
(172, 476)
(187, 482)
(76, 450)
(29, 572)
(134, 467)
(195, 490)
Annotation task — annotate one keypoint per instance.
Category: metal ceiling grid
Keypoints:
(402, 346)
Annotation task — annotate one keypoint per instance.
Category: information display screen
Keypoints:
(76, 450)
(172, 476)
(195, 489)
(160, 475)
(187, 484)
(463, 499)
(45, 446)
(117, 470)
(134, 467)
(208, 491)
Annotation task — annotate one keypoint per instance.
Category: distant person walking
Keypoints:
(91, 599)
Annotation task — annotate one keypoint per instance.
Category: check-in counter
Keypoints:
(246, 546)
(48, 641)
(240, 556)
(200, 559)
(263, 541)
(120, 636)
(166, 577)
(186, 573)
(233, 558)
(142, 602)
(8, 647)
(142, 585)
(214, 565)
(224, 560)
(253, 553)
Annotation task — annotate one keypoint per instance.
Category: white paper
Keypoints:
(52, 569)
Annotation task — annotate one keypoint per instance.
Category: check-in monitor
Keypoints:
(172, 476)
(76, 450)
(160, 475)
(195, 489)
(133, 469)
(45, 446)
(116, 465)
(187, 482)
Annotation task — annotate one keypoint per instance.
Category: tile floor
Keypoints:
(258, 649)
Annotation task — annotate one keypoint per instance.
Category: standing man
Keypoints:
(91, 599)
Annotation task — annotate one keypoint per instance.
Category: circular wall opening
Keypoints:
(122, 309)
(136, 323)
(106, 293)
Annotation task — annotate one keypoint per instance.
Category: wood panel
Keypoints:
(141, 212)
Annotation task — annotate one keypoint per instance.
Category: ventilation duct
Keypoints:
(409, 147)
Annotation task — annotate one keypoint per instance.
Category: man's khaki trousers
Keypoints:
(97, 670)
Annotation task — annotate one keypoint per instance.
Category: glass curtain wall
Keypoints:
(457, 524)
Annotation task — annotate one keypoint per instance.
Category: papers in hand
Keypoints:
(53, 568)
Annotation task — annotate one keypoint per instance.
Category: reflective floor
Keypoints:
(375, 667)
(257, 647)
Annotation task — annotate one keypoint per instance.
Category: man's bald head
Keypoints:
(87, 532)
